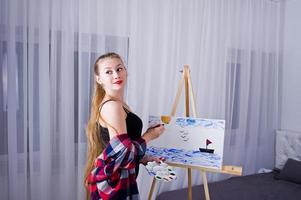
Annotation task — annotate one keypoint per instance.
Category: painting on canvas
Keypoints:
(190, 141)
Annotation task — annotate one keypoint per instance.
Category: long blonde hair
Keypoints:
(95, 142)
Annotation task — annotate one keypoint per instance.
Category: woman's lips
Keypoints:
(118, 82)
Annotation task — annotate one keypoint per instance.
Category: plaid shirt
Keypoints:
(114, 175)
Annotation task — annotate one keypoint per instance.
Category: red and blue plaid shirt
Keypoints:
(114, 174)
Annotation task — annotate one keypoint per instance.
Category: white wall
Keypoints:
(290, 98)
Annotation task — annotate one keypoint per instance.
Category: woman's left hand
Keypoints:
(148, 158)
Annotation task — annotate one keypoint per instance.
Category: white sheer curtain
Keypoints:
(232, 48)
(47, 50)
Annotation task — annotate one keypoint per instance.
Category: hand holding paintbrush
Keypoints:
(155, 126)
(153, 132)
(156, 130)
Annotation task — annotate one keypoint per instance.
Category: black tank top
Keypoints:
(133, 125)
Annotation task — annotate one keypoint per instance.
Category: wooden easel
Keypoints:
(234, 170)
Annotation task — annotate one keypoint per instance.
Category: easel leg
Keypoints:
(205, 183)
(151, 191)
(189, 184)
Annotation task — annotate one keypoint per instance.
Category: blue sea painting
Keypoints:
(187, 157)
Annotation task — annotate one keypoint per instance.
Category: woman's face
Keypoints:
(112, 74)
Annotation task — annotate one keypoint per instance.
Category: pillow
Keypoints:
(291, 171)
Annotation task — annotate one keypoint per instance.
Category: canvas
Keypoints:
(190, 141)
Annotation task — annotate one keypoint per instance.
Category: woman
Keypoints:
(115, 144)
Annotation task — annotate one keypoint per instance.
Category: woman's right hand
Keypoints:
(153, 133)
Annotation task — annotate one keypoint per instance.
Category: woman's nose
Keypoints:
(115, 74)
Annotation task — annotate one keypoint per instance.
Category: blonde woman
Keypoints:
(115, 144)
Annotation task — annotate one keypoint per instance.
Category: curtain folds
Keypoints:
(47, 52)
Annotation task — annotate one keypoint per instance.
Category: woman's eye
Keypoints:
(119, 69)
(109, 72)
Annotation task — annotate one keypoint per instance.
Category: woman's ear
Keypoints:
(97, 78)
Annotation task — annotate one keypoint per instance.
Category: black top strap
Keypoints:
(100, 118)
(124, 108)
(101, 105)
